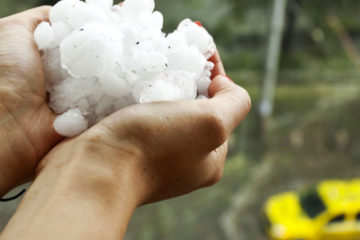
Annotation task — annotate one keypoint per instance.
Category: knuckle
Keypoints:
(95, 136)
(213, 124)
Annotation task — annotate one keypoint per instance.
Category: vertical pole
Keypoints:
(273, 57)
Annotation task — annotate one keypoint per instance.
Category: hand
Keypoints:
(138, 155)
(177, 147)
(26, 132)
(174, 147)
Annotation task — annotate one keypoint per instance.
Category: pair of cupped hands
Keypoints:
(143, 153)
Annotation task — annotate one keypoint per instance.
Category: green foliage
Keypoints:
(240, 28)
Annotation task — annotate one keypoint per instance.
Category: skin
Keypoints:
(90, 185)
(26, 132)
(87, 187)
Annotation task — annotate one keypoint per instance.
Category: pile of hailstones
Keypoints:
(99, 58)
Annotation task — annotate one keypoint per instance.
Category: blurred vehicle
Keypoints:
(327, 211)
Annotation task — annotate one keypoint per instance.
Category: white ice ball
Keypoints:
(203, 84)
(113, 85)
(44, 35)
(59, 12)
(98, 59)
(188, 59)
(197, 36)
(175, 42)
(138, 7)
(99, 47)
(66, 94)
(82, 13)
(151, 61)
(156, 91)
(61, 30)
(104, 106)
(104, 4)
(157, 20)
(70, 123)
(183, 80)
(53, 71)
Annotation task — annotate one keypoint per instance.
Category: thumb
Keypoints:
(31, 18)
(231, 101)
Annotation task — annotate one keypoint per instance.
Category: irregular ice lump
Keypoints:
(99, 58)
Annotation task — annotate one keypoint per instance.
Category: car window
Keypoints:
(357, 217)
(311, 202)
(337, 219)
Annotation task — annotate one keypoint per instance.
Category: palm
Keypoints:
(23, 96)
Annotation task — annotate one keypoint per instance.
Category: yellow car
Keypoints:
(329, 211)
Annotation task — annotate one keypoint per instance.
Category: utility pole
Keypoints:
(273, 58)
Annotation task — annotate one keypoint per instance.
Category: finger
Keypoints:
(31, 18)
(230, 102)
(219, 67)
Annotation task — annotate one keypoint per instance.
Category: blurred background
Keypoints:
(300, 62)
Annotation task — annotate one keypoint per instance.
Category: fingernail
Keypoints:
(199, 23)
(229, 78)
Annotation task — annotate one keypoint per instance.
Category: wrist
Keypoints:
(95, 169)
(74, 187)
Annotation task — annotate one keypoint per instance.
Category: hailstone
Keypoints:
(99, 58)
